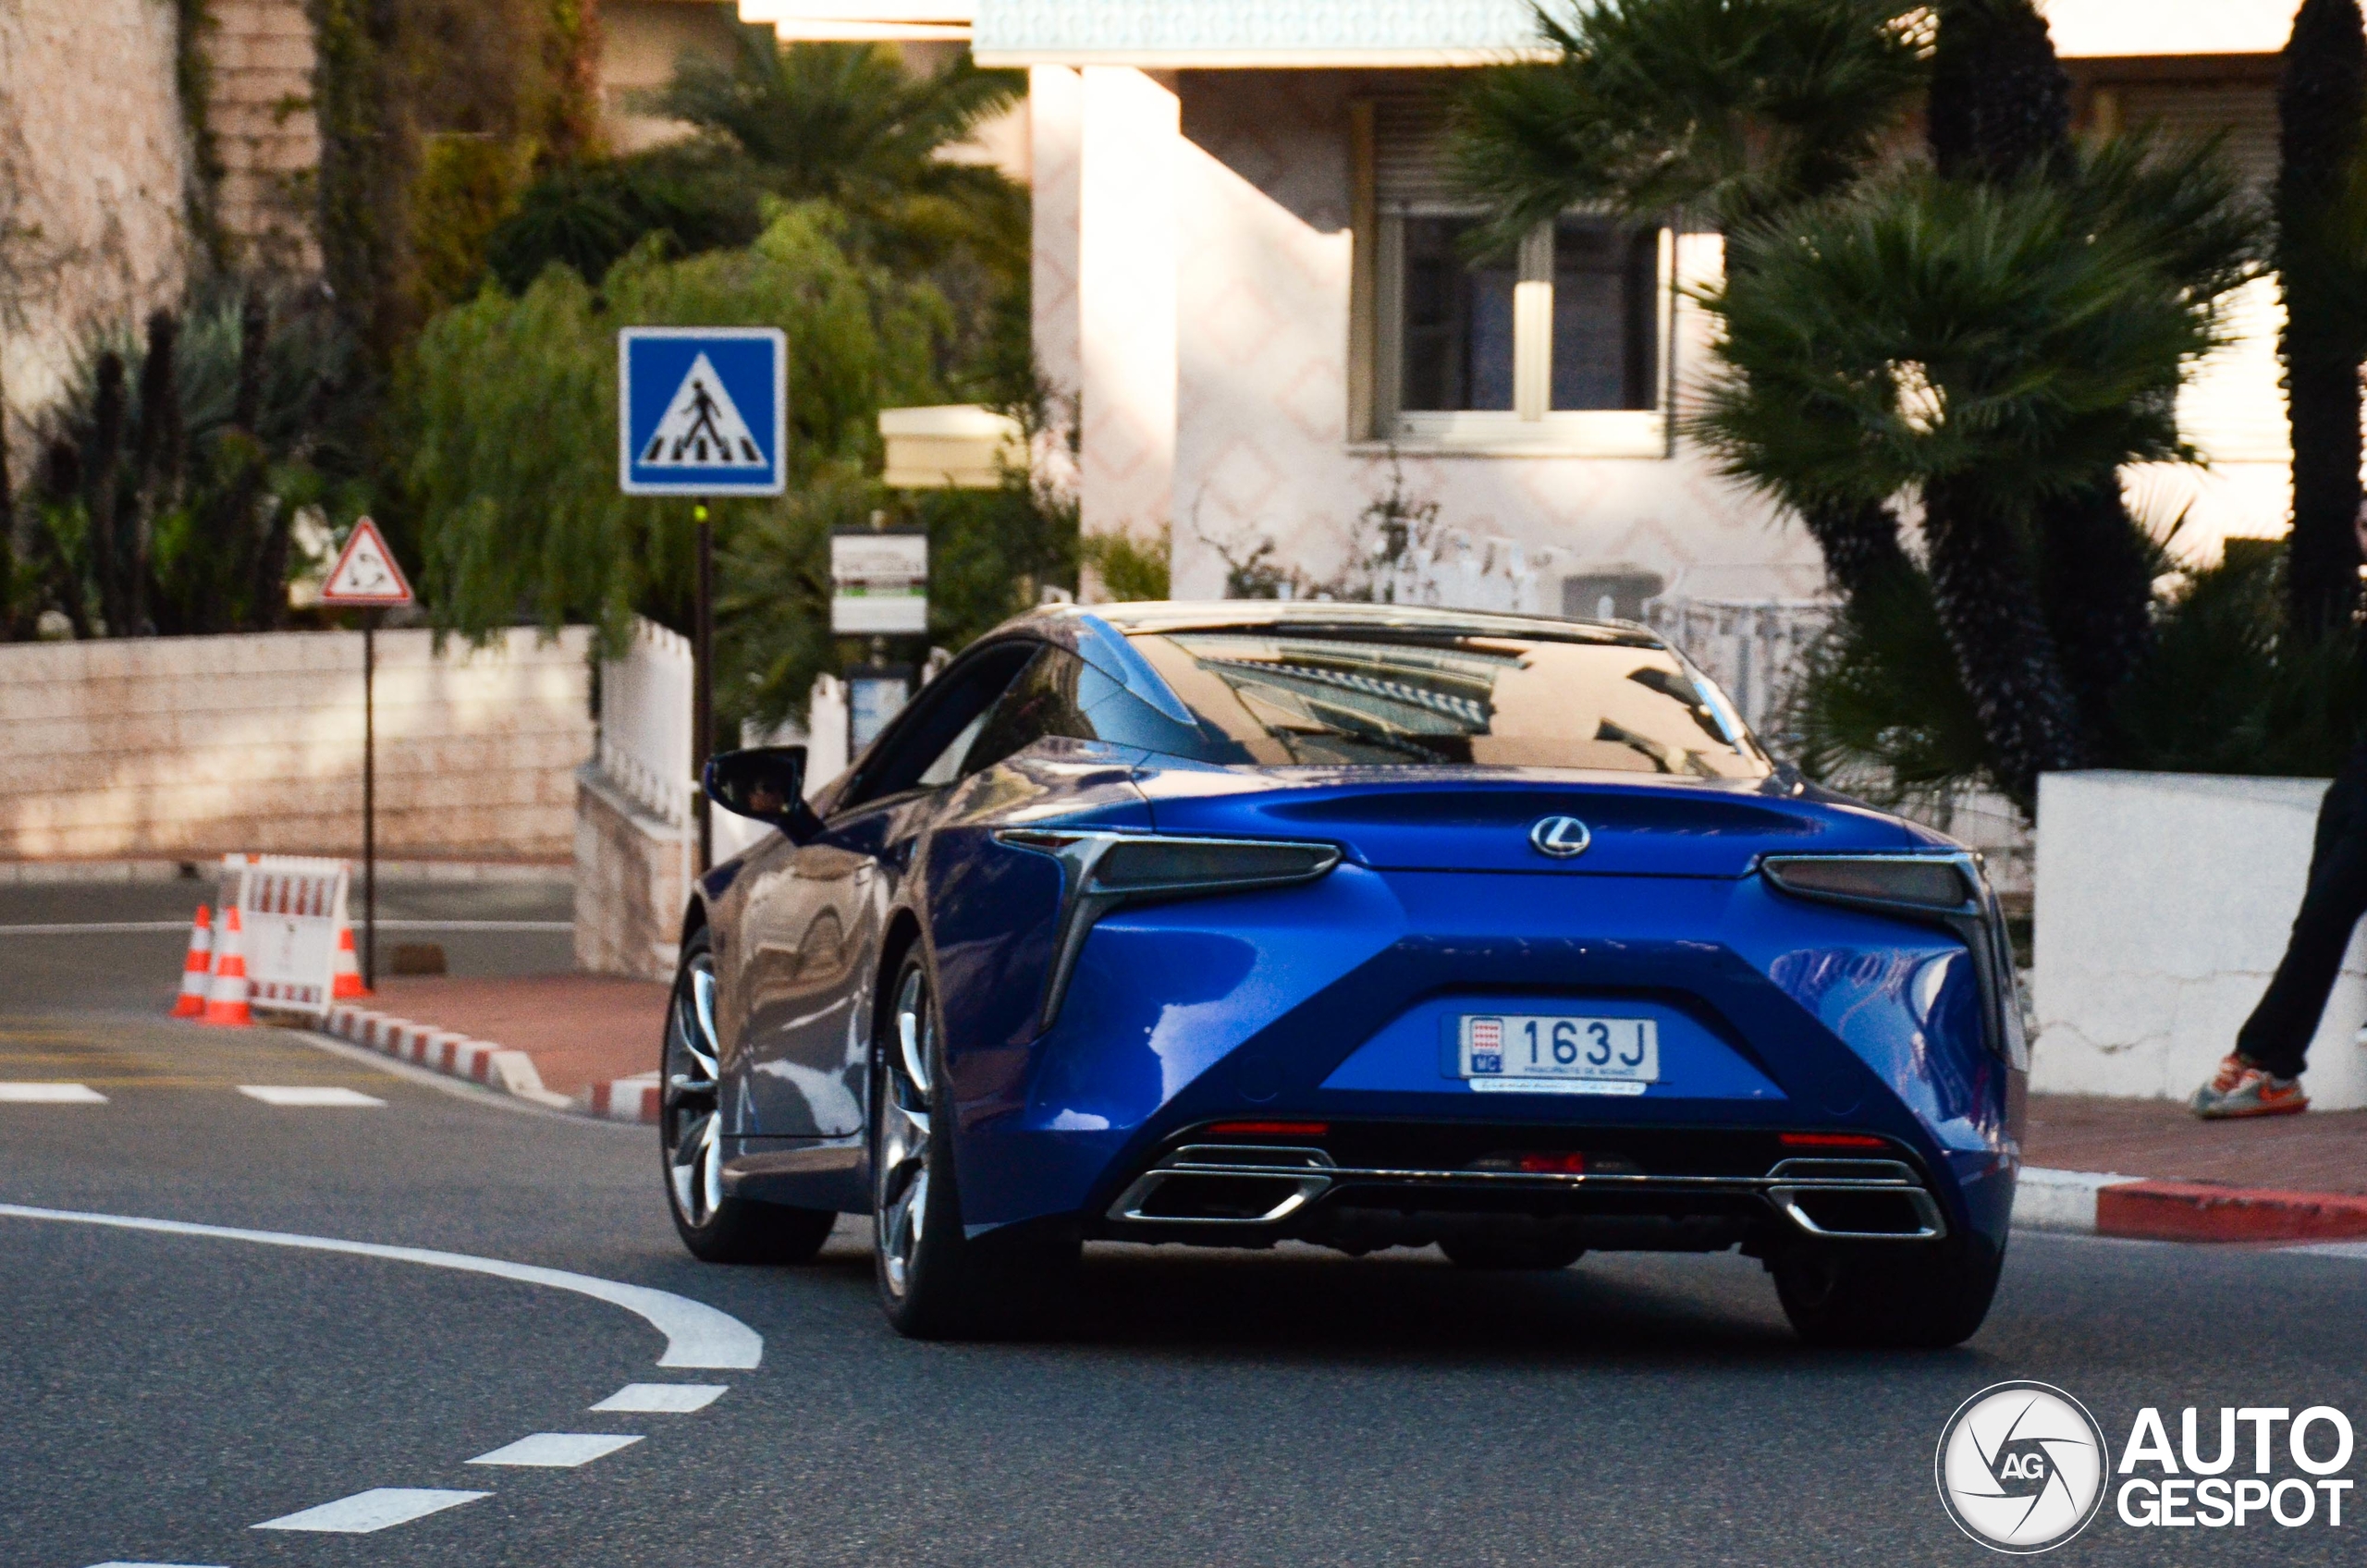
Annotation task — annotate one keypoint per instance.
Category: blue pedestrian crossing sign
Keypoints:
(703, 410)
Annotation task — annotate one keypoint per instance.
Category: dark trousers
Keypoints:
(2277, 1037)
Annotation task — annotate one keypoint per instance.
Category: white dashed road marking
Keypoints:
(376, 1509)
(697, 1335)
(307, 1094)
(661, 1399)
(557, 1450)
(50, 1093)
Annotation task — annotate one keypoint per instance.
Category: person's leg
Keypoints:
(2277, 1037)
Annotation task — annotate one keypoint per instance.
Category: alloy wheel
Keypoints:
(693, 1106)
(899, 1196)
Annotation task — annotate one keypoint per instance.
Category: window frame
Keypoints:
(1379, 135)
(1531, 426)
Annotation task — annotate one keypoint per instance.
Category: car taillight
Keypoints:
(1910, 881)
(1551, 1165)
(1101, 871)
(1832, 1141)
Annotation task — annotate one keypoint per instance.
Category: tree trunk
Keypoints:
(266, 553)
(2097, 580)
(2318, 104)
(152, 458)
(2003, 651)
(2001, 102)
(2001, 110)
(1860, 544)
(99, 467)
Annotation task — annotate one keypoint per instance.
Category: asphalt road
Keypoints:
(162, 1394)
(64, 947)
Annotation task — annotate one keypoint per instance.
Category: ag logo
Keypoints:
(2021, 1467)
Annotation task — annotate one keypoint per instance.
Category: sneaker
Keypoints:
(2241, 1089)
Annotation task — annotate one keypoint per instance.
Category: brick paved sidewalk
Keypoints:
(2319, 1151)
(581, 1029)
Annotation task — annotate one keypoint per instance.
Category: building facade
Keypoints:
(1245, 269)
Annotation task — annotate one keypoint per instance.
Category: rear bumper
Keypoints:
(1696, 1194)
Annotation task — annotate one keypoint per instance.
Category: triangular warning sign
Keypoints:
(365, 572)
(702, 427)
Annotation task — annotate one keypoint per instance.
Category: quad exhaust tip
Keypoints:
(1253, 1185)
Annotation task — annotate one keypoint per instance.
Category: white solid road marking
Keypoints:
(376, 1509)
(697, 1336)
(306, 1095)
(661, 1399)
(557, 1450)
(50, 1093)
(151, 1565)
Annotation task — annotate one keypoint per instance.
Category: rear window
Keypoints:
(1364, 698)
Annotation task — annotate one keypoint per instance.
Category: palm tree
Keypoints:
(2320, 101)
(848, 124)
(1743, 109)
(1985, 348)
(2001, 102)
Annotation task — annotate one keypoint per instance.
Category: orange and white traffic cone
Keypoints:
(226, 1000)
(345, 975)
(197, 970)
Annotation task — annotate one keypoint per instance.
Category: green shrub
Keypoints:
(509, 405)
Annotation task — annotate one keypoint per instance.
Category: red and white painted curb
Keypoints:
(625, 1099)
(2101, 1204)
(483, 1062)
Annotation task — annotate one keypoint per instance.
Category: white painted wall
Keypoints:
(1263, 446)
(2164, 904)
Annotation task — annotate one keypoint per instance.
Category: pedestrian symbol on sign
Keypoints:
(702, 410)
(702, 427)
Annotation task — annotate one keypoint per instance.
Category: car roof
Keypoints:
(1325, 615)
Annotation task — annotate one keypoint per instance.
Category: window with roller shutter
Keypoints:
(1559, 342)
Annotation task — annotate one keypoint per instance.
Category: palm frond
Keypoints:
(1736, 106)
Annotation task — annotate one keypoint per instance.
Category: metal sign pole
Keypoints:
(370, 800)
(703, 681)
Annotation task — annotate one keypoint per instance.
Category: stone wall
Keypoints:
(95, 170)
(260, 111)
(200, 746)
(629, 883)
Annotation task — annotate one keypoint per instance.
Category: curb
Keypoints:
(483, 1062)
(624, 1100)
(2135, 1208)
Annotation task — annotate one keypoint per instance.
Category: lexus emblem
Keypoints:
(1560, 837)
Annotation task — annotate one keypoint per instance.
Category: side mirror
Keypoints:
(765, 782)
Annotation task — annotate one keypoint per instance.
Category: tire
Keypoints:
(1509, 1252)
(714, 1227)
(1884, 1297)
(936, 1283)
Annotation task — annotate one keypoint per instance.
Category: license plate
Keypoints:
(1516, 1053)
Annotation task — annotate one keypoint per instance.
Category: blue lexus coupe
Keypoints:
(1361, 925)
